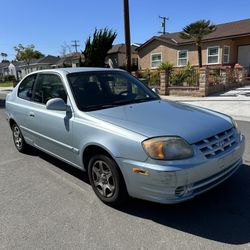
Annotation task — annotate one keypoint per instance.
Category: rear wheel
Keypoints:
(18, 139)
(106, 180)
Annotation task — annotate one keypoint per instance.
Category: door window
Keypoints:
(49, 86)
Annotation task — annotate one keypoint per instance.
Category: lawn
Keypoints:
(6, 84)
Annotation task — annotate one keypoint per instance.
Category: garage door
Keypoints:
(244, 56)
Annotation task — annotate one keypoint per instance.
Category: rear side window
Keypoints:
(26, 86)
(48, 86)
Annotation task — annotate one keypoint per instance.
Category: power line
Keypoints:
(75, 44)
(163, 24)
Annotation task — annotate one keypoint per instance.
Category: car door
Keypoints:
(53, 128)
(22, 108)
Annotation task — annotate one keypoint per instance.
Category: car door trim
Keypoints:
(74, 150)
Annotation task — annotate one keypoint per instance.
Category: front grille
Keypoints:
(214, 145)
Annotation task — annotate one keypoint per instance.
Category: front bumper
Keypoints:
(169, 182)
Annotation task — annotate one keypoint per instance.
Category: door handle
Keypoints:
(31, 114)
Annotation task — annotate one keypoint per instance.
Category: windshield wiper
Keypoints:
(117, 103)
(144, 100)
(125, 102)
(96, 107)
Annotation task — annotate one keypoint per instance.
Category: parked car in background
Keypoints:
(129, 141)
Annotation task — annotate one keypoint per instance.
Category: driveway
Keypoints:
(235, 103)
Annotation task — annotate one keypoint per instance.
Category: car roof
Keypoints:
(76, 70)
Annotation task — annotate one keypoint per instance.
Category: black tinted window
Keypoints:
(25, 88)
(49, 86)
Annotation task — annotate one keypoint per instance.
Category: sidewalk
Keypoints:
(5, 90)
(235, 103)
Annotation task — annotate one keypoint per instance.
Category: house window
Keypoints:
(213, 55)
(182, 57)
(226, 54)
(156, 60)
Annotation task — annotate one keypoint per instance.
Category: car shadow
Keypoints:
(222, 214)
(59, 164)
(2, 102)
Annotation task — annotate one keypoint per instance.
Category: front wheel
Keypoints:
(106, 180)
(18, 139)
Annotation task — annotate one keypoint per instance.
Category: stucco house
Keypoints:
(4, 70)
(20, 69)
(9, 69)
(69, 60)
(117, 55)
(228, 45)
(37, 64)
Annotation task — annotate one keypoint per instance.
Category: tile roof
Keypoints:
(48, 59)
(121, 48)
(223, 31)
(44, 60)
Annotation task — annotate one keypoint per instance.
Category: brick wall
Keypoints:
(205, 88)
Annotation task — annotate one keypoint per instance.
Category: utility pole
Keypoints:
(163, 24)
(127, 34)
(75, 44)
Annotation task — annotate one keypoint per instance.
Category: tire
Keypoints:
(18, 139)
(106, 180)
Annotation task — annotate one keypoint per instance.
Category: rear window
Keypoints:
(26, 87)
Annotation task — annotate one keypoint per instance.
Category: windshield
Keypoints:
(105, 89)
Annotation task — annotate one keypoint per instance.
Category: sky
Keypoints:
(48, 24)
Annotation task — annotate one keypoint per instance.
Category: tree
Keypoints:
(168, 68)
(27, 53)
(196, 31)
(4, 56)
(96, 49)
(65, 49)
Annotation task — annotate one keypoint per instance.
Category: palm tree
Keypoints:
(196, 31)
(4, 55)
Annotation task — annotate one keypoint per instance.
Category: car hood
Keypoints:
(163, 118)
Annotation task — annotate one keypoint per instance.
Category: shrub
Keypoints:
(166, 66)
(187, 74)
(177, 77)
(151, 76)
(214, 76)
(9, 78)
(154, 78)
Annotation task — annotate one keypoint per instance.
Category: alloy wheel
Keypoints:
(103, 178)
(18, 139)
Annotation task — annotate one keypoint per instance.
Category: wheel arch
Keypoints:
(12, 122)
(93, 149)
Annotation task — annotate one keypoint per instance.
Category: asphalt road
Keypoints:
(47, 204)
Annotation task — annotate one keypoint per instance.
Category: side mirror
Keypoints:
(56, 104)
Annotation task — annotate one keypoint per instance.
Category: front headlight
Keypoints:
(235, 125)
(167, 148)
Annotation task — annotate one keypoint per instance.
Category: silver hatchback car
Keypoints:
(130, 142)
